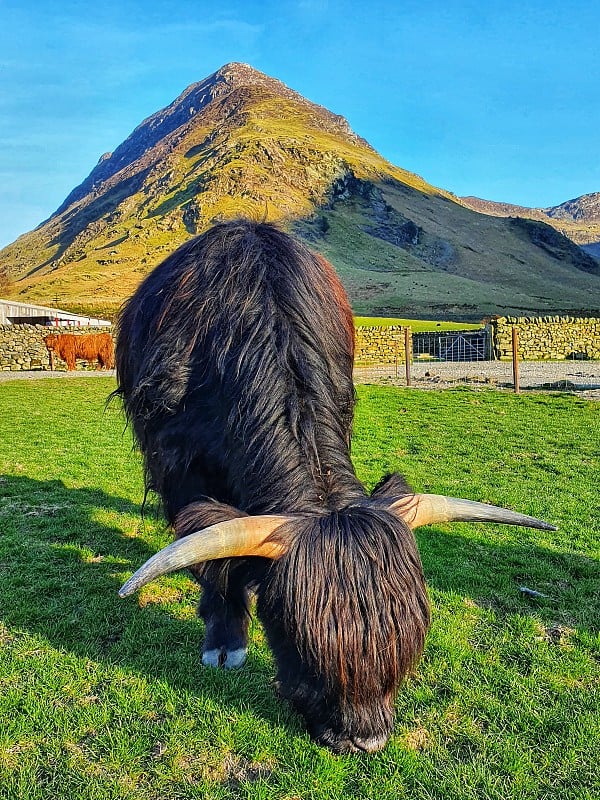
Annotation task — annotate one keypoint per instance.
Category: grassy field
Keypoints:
(104, 698)
(416, 325)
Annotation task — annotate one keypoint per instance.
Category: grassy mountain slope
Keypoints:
(579, 219)
(240, 142)
(452, 264)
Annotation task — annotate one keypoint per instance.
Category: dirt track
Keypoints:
(582, 377)
(7, 375)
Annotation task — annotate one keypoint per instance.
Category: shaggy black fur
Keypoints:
(234, 360)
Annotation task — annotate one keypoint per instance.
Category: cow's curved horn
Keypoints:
(243, 536)
(426, 509)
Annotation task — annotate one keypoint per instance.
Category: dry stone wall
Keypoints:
(540, 338)
(22, 347)
(547, 338)
(383, 345)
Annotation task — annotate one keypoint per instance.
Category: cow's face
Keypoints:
(345, 611)
(332, 720)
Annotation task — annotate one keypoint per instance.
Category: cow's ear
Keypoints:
(392, 485)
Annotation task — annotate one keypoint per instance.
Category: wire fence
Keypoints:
(466, 357)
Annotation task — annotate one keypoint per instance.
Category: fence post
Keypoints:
(515, 355)
(407, 353)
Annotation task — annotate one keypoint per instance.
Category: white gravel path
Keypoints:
(8, 375)
(582, 377)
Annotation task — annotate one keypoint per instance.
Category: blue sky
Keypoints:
(498, 99)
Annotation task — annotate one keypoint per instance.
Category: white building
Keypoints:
(12, 312)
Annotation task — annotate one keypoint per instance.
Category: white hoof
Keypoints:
(235, 658)
(230, 659)
(212, 658)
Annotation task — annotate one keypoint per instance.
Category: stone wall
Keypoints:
(22, 347)
(383, 345)
(547, 338)
(541, 338)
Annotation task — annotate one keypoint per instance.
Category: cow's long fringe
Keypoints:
(354, 594)
(350, 590)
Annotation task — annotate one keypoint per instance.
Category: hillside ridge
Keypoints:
(578, 218)
(192, 101)
(242, 143)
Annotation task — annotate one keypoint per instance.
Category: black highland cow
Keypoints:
(234, 361)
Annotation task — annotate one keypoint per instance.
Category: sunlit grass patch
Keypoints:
(105, 698)
(416, 325)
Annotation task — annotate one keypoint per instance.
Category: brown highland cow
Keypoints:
(88, 347)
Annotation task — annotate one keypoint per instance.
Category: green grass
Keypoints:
(417, 325)
(104, 698)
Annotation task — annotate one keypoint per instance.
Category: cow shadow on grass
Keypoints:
(61, 565)
(65, 552)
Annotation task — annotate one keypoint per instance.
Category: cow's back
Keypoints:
(234, 360)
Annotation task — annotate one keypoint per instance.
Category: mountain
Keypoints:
(584, 209)
(240, 142)
(579, 219)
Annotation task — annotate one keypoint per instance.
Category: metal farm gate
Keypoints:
(452, 346)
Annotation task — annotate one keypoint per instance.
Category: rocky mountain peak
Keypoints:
(580, 209)
(230, 79)
(242, 143)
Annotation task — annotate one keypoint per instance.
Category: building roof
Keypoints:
(14, 312)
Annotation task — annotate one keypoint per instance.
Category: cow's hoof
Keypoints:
(229, 659)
